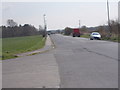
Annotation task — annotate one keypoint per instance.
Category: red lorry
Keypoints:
(76, 32)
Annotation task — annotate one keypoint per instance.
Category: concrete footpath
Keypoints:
(36, 71)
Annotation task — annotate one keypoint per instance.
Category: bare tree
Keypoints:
(11, 23)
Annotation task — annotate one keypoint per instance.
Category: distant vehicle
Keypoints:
(76, 32)
(49, 33)
(95, 35)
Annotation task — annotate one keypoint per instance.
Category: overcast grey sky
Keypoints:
(59, 14)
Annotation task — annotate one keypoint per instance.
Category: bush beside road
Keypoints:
(12, 46)
(114, 38)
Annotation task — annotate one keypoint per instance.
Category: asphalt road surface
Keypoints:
(73, 63)
(85, 63)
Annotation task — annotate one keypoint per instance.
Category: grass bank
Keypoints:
(114, 38)
(12, 46)
(0, 48)
(85, 36)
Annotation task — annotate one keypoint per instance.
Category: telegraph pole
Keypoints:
(79, 24)
(108, 18)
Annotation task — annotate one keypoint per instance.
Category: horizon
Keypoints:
(59, 15)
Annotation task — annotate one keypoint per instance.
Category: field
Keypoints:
(12, 46)
(0, 48)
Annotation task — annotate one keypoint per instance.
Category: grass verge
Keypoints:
(85, 36)
(114, 38)
(16, 45)
(0, 48)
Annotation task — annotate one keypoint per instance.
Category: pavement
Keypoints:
(35, 71)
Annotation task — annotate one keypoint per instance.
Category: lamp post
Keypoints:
(45, 26)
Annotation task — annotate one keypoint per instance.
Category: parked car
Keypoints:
(95, 35)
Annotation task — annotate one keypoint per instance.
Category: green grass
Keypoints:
(114, 39)
(85, 36)
(0, 48)
(12, 46)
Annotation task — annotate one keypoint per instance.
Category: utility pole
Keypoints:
(79, 24)
(45, 26)
(119, 12)
(108, 18)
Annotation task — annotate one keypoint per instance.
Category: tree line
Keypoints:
(19, 31)
(104, 30)
(83, 30)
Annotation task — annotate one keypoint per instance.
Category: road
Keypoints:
(74, 63)
(86, 64)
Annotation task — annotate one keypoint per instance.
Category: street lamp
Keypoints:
(45, 26)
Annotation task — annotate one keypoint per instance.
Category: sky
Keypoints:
(59, 14)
